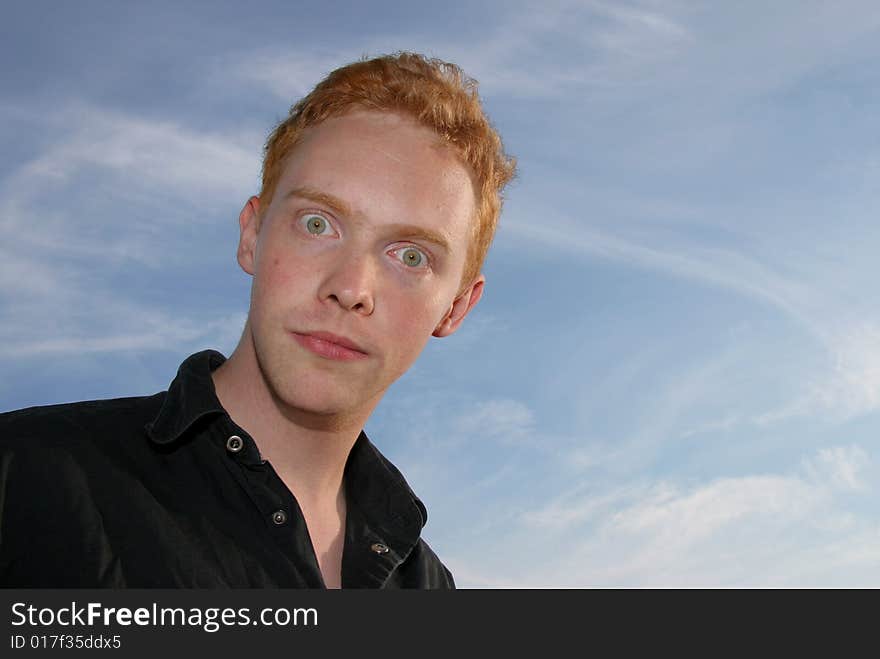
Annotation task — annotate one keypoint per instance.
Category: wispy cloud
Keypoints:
(104, 194)
(138, 157)
(763, 528)
(702, 178)
(841, 467)
(153, 330)
(501, 420)
(289, 73)
(715, 266)
(609, 43)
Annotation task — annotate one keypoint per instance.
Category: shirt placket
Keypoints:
(276, 505)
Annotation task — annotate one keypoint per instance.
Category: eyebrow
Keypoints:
(340, 207)
(332, 202)
(413, 232)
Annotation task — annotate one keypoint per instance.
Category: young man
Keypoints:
(380, 196)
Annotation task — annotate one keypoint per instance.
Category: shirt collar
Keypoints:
(379, 482)
(190, 397)
(381, 490)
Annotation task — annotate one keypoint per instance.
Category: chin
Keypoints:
(307, 388)
(314, 400)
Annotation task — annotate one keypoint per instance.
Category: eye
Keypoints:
(412, 257)
(317, 225)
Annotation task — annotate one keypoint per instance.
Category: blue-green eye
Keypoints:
(412, 257)
(316, 224)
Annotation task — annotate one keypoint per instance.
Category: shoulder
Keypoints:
(53, 442)
(60, 465)
(67, 423)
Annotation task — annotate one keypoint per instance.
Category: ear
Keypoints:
(460, 308)
(249, 223)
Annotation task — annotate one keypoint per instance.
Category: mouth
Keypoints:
(330, 346)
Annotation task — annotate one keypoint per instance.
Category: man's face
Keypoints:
(357, 261)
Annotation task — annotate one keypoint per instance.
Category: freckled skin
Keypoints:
(388, 170)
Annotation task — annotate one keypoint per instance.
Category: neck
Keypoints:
(307, 450)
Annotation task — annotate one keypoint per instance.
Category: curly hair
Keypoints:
(437, 95)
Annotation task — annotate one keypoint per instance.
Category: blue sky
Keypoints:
(673, 378)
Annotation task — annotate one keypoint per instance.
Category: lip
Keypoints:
(330, 346)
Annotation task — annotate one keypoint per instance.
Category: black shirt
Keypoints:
(166, 491)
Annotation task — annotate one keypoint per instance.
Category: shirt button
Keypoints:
(234, 444)
(279, 517)
(379, 548)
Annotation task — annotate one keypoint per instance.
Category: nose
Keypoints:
(350, 282)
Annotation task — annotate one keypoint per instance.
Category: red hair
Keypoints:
(436, 94)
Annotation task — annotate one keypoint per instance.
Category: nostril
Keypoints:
(352, 300)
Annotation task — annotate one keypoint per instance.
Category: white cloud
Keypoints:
(608, 42)
(727, 268)
(840, 467)
(761, 529)
(139, 155)
(289, 74)
(154, 330)
(675, 519)
(850, 385)
(573, 509)
(854, 386)
(500, 419)
(107, 191)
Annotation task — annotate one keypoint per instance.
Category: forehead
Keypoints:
(386, 168)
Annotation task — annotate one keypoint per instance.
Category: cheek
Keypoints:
(413, 319)
(277, 278)
(275, 274)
